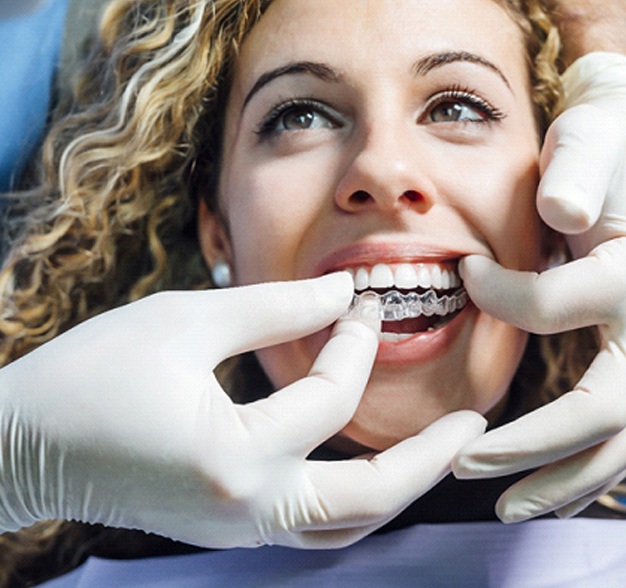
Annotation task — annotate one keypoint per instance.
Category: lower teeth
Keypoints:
(395, 337)
(396, 306)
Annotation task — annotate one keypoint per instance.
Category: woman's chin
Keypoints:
(385, 417)
(376, 432)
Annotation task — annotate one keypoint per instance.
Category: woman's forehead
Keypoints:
(378, 34)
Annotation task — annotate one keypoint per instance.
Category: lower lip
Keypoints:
(426, 346)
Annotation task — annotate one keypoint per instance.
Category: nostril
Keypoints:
(360, 197)
(412, 196)
(409, 198)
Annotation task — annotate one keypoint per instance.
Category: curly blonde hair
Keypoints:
(109, 215)
(110, 219)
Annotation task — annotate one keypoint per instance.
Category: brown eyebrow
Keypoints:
(319, 70)
(328, 74)
(426, 64)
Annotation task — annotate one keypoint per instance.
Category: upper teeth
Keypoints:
(406, 276)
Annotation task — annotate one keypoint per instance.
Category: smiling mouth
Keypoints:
(413, 297)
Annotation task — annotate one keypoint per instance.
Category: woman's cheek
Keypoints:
(512, 225)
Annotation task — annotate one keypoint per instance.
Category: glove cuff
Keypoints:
(16, 503)
(594, 77)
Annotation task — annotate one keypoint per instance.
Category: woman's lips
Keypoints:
(369, 253)
(424, 306)
(427, 345)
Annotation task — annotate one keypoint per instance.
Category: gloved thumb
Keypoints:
(559, 299)
(251, 317)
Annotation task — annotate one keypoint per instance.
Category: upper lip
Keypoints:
(369, 254)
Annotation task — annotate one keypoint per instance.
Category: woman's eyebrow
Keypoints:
(324, 72)
(319, 70)
(426, 64)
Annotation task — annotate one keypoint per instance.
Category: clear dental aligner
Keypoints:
(397, 306)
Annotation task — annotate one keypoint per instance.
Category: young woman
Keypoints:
(303, 139)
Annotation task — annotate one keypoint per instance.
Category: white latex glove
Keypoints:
(579, 439)
(121, 421)
(582, 191)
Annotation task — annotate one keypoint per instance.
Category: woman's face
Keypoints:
(390, 139)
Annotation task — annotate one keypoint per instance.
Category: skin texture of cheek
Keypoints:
(276, 210)
(502, 205)
(494, 357)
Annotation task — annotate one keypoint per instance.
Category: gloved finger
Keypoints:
(235, 320)
(361, 493)
(368, 511)
(567, 484)
(559, 299)
(573, 508)
(581, 150)
(316, 407)
(267, 314)
(582, 418)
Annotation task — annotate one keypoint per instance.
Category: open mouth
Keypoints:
(413, 297)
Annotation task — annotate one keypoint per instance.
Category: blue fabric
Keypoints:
(579, 553)
(29, 52)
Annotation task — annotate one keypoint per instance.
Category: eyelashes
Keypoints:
(300, 114)
(459, 105)
(468, 98)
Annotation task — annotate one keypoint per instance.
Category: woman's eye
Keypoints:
(456, 112)
(302, 118)
(297, 117)
(461, 105)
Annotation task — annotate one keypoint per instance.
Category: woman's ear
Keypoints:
(213, 237)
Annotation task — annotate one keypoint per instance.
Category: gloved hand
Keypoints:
(579, 439)
(121, 421)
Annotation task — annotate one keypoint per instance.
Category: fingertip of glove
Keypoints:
(569, 511)
(511, 512)
(336, 284)
(465, 468)
(329, 294)
(472, 266)
(474, 422)
(367, 311)
(460, 427)
(566, 215)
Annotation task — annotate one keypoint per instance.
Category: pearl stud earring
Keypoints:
(221, 275)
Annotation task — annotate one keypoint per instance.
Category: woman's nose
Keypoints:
(387, 173)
